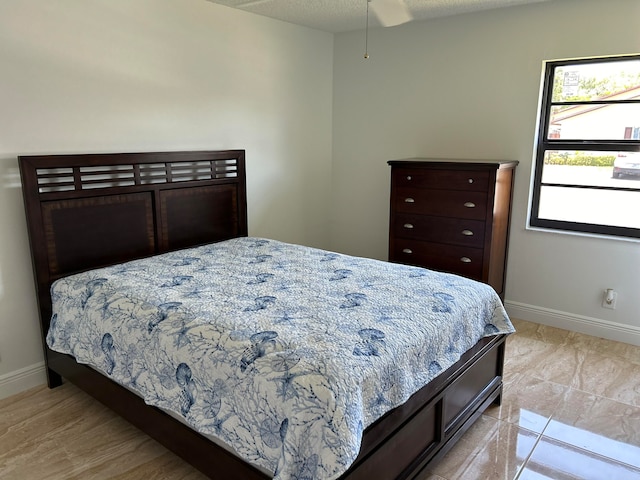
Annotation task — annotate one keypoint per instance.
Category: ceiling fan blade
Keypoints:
(391, 12)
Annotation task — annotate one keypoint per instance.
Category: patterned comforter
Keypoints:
(286, 353)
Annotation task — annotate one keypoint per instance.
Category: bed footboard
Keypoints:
(407, 439)
(398, 446)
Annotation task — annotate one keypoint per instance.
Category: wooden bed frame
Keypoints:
(93, 210)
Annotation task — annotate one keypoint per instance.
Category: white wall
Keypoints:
(468, 86)
(153, 75)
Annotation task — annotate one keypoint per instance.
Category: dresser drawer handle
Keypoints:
(470, 205)
(408, 225)
(465, 260)
(409, 200)
(467, 233)
(407, 250)
(408, 177)
(470, 180)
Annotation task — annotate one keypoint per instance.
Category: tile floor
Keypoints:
(570, 410)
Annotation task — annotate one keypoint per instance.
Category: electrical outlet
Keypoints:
(609, 299)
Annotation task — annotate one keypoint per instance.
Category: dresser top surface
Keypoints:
(452, 163)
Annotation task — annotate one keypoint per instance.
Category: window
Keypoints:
(587, 165)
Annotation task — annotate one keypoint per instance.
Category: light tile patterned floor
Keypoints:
(570, 410)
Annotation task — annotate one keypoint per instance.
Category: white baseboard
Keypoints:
(23, 379)
(577, 323)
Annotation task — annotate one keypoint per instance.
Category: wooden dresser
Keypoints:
(452, 216)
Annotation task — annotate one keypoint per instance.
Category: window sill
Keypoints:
(582, 234)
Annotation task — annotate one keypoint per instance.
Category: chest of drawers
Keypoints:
(452, 216)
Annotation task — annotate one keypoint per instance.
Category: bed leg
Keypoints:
(53, 379)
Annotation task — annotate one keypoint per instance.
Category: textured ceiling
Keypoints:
(345, 15)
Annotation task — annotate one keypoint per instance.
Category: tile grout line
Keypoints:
(535, 445)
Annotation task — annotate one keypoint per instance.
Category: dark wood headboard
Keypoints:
(93, 210)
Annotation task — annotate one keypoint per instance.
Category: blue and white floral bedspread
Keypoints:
(284, 352)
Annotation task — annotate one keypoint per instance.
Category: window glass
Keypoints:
(575, 81)
(571, 167)
(590, 206)
(606, 121)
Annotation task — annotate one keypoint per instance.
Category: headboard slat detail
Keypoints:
(109, 175)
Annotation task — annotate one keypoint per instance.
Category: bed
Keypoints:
(95, 217)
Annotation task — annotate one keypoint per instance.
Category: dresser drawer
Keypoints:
(464, 261)
(465, 180)
(455, 231)
(443, 203)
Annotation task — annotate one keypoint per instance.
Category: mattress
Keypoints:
(285, 353)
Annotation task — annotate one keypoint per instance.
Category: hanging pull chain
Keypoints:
(366, 34)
